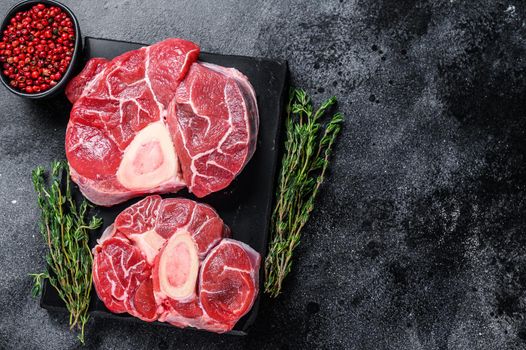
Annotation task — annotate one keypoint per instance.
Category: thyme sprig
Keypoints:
(65, 229)
(308, 146)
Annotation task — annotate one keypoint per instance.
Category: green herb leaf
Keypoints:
(308, 147)
(65, 227)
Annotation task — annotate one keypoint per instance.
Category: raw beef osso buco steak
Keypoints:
(171, 260)
(154, 120)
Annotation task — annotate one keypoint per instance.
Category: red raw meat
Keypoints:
(79, 85)
(188, 273)
(215, 121)
(229, 281)
(117, 106)
(143, 302)
(140, 124)
(118, 270)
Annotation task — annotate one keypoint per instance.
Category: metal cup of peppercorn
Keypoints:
(40, 46)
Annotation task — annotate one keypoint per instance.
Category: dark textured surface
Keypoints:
(418, 239)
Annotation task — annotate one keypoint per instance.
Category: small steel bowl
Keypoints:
(61, 84)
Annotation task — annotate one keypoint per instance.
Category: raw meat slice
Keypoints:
(140, 217)
(111, 232)
(153, 220)
(117, 144)
(191, 314)
(143, 302)
(118, 270)
(228, 287)
(154, 120)
(79, 85)
(175, 213)
(229, 281)
(214, 119)
(207, 228)
(188, 310)
(169, 260)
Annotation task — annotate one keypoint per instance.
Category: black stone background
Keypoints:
(418, 239)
